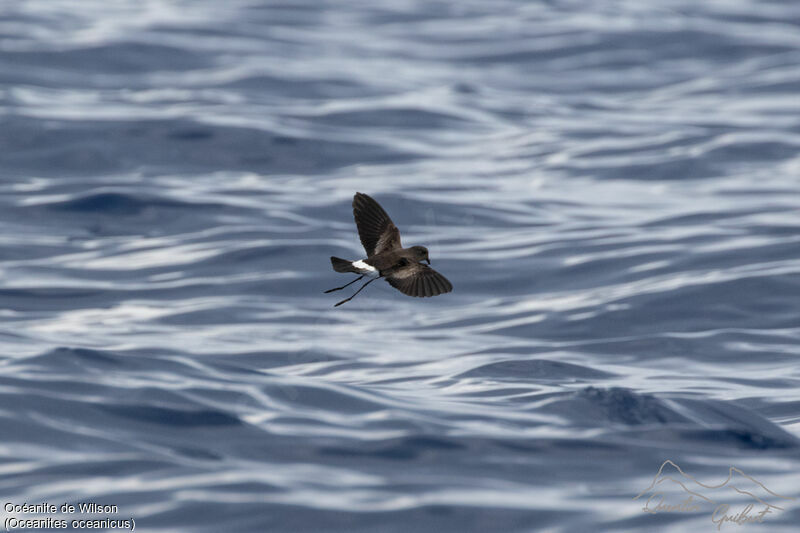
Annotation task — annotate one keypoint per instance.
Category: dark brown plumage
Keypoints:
(386, 257)
(375, 229)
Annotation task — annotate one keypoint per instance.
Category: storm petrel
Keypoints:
(386, 257)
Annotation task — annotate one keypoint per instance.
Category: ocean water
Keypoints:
(611, 187)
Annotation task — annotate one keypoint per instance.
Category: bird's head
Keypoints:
(421, 254)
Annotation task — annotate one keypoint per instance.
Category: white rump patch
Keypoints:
(364, 268)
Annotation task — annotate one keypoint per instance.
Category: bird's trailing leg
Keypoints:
(343, 286)
(354, 294)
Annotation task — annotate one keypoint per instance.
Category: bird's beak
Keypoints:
(428, 260)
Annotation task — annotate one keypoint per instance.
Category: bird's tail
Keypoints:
(342, 265)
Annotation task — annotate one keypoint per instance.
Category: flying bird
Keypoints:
(386, 257)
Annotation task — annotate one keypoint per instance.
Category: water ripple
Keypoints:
(611, 189)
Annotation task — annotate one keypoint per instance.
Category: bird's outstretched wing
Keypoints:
(419, 280)
(376, 230)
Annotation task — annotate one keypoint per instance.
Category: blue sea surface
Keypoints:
(612, 187)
